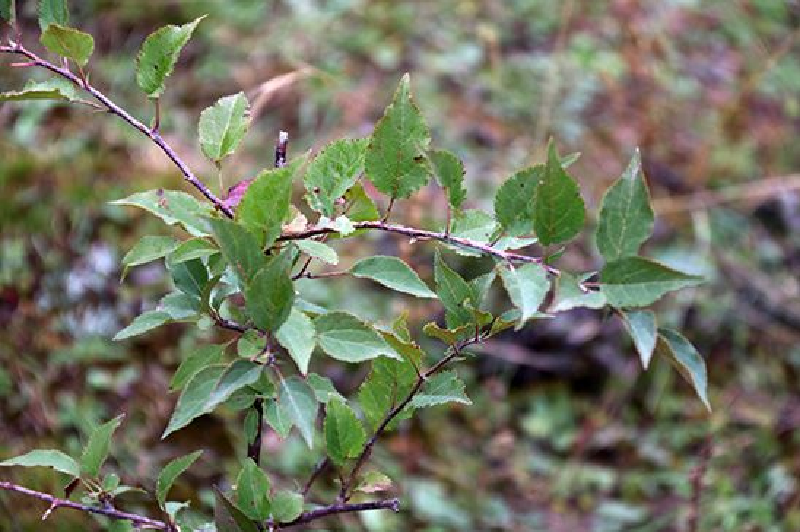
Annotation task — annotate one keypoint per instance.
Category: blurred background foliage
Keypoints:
(567, 432)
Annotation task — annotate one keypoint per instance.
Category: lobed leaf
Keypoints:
(394, 160)
(158, 56)
(223, 125)
(170, 473)
(392, 273)
(626, 217)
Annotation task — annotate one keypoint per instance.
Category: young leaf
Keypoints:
(51, 89)
(453, 290)
(269, 296)
(406, 348)
(641, 325)
(171, 472)
(394, 161)
(569, 295)
(239, 374)
(449, 336)
(201, 357)
(46, 458)
(252, 491)
(192, 402)
(393, 273)
(527, 286)
(172, 207)
(442, 388)
(142, 323)
(344, 434)
(68, 42)
(148, 249)
(388, 383)
(286, 506)
(449, 173)
(331, 174)
(626, 217)
(686, 360)
(558, 210)
(240, 248)
(53, 12)
(96, 450)
(344, 337)
(318, 250)
(361, 207)
(374, 482)
(638, 282)
(223, 125)
(298, 403)
(158, 56)
(514, 200)
(265, 205)
(228, 517)
(298, 335)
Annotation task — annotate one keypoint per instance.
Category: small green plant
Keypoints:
(241, 256)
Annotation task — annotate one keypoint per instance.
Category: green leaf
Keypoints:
(449, 336)
(344, 337)
(50, 89)
(286, 506)
(190, 277)
(626, 217)
(277, 418)
(482, 283)
(453, 290)
(158, 56)
(8, 11)
(393, 273)
(686, 360)
(514, 200)
(68, 42)
(318, 250)
(389, 382)
(406, 348)
(442, 388)
(223, 125)
(331, 174)
(171, 472)
(527, 286)
(46, 458)
(269, 296)
(298, 335)
(53, 12)
(297, 402)
(96, 450)
(374, 482)
(265, 205)
(192, 402)
(569, 295)
(240, 248)
(194, 248)
(449, 172)
(172, 207)
(480, 227)
(144, 322)
(201, 357)
(361, 207)
(394, 161)
(240, 373)
(228, 517)
(180, 306)
(638, 282)
(324, 390)
(252, 491)
(148, 249)
(344, 434)
(558, 211)
(641, 325)
(250, 344)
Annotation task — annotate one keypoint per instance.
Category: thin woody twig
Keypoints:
(339, 508)
(113, 108)
(108, 511)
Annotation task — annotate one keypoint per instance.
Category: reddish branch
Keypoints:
(111, 107)
(340, 508)
(109, 512)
